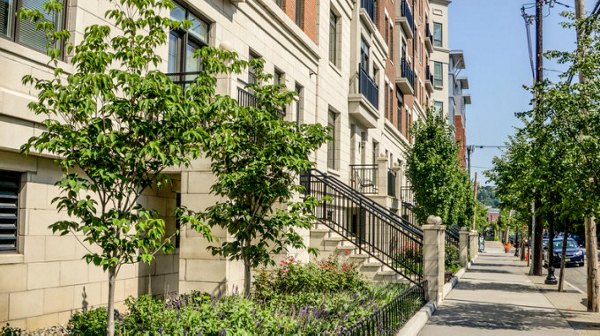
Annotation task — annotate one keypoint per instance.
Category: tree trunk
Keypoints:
(110, 326)
(591, 251)
(563, 260)
(247, 277)
(530, 239)
(537, 245)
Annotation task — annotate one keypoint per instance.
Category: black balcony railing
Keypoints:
(428, 34)
(390, 318)
(183, 78)
(391, 183)
(247, 98)
(407, 72)
(428, 74)
(368, 88)
(369, 6)
(405, 11)
(364, 178)
(408, 203)
(373, 228)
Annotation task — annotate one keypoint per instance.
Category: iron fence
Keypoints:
(407, 72)
(364, 178)
(405, 11)
(369, 6)
(408, 204)
(452, 235)
(390, 318)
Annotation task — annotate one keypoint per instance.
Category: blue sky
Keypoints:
(492, 35)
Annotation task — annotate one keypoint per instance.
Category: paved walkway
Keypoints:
(495, 297)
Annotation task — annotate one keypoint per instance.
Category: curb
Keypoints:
(413, 326)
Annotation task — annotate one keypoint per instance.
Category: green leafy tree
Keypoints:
(487, 196)
(257, 158)
(114, 124)
(440, 185)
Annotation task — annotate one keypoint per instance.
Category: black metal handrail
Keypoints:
(369, 6)
(391, 183)
(247, 98)
(368, 225)
(453, 235)
(407, 72)
(406, 12)
(388, 319)
(183, 78)
(364, 178)
(368, 88)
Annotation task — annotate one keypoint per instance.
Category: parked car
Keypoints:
(574, 253)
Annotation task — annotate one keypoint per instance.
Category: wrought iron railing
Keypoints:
(390, 318)
(183, 78)
(247, 98)
(368, 88)
(370, 226)
(364, 178)
(391, 183)
(405, 11)
(407, 72)
(369, 6)
(408, 203)
(452, 235)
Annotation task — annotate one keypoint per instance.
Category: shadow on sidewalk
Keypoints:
(477, 285)
(494, 316)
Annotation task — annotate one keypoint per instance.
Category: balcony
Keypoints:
(428, 38)
(364, 178)
(405, 77)
(368, 88)
(183, 78)
(369, 7)
(247, 99)
(429, 80)
(406, 20)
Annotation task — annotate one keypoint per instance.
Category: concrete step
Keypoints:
(345, 250)
(358, 258)
(330, 243)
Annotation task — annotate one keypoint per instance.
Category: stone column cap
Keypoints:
(434, 220)
(433, 227)
(464, 229)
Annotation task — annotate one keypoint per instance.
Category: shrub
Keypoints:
(452, 262)
(90, 323)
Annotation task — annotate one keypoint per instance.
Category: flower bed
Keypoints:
(325, 297)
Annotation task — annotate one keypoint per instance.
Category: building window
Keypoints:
(251, 71)
(332, 159)
(438, 74)
(399, 103)
(333, 39)
(364, 55)
(386, 103)
(9, 210)
(391, 106)
(391, 44)
(24, 31)
(299, 103)
(375, 152)
(437, 34)
(300, 13)
(183, 43)
(438, 106)
(279, 77)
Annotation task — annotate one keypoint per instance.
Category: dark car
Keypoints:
(574, 253)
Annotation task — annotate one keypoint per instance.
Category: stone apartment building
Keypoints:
(363, 68)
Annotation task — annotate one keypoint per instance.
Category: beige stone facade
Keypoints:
(44, 280)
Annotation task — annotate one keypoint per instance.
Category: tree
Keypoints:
(257, 158)
(440, 185)
(114, 124)
(487, 196)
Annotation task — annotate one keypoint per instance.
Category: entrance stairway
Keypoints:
(387, 246)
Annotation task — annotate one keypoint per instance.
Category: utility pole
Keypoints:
(591, 249)
(475, 198)
(539, 77)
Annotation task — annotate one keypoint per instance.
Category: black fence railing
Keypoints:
(391, 183)
(453, 235)
(407, 72)
(247, 98)
(368, 88)
(390, 318)
(364, 178)
(369, 6)
(408, 203)
(405, 11)
(370, 226)
(183, 78)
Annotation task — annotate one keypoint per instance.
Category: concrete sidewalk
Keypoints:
(495, 297)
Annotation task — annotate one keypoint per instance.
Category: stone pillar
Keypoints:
(398, 171)
(473, 244)
(463, 246)
(382, 164)
(433, 258)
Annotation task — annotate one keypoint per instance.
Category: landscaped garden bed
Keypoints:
(327, 297)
